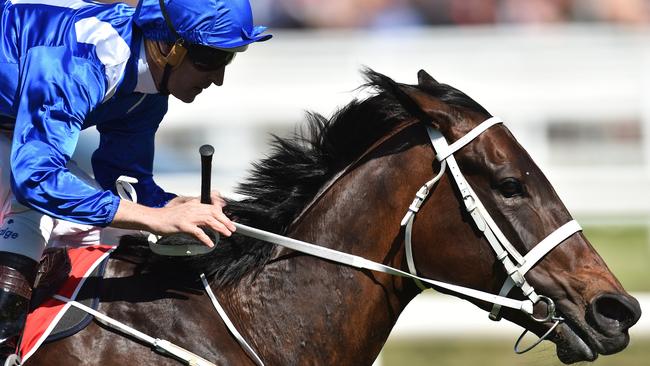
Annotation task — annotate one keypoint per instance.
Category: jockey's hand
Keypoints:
(215, 196)
(181, 215)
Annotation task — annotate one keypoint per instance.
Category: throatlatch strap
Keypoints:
(408, 219)
(409, 253)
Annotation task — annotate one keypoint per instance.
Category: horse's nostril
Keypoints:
(613, 314)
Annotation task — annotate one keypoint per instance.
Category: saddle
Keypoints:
(53, 272)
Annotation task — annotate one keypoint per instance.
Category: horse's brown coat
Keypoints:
(301, 310)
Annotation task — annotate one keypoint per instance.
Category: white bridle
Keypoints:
(504, 250)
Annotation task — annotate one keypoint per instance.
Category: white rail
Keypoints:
(532, 78)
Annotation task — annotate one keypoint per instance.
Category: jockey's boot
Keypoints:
(17, 275)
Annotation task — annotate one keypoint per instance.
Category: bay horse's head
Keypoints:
(596, 311)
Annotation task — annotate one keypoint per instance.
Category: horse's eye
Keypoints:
(511, 187)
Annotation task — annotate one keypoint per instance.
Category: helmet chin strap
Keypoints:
(168, 62)
(175, 56)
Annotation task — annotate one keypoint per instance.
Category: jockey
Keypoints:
(66, 65)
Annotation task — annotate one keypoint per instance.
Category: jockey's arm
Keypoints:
(127, 148)
(55, 100)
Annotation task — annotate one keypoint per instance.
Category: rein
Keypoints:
(503, 249)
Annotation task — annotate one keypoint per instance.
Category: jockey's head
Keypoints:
(207, 32)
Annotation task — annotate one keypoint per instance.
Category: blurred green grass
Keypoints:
(625, 249)
(497, 353)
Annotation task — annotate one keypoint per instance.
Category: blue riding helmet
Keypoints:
(223, 24)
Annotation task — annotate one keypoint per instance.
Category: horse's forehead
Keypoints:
(498, 146)
(463, 121)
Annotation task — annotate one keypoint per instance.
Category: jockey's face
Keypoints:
(192, 76)
(187, 81)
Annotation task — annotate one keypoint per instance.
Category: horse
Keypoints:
(345, 183)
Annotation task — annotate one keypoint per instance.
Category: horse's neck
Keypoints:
(326, 312)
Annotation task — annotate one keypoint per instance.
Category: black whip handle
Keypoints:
(206, 152)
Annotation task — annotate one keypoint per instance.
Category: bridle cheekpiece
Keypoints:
(515, 265)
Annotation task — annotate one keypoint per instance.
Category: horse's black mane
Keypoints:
(280, 186)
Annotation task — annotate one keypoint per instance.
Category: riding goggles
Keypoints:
(207, 58)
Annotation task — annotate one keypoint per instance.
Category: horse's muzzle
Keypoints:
(613, 314)
(605, 329)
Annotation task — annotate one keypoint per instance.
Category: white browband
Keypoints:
(471, 135)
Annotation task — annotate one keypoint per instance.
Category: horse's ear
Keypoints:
(425, 79)
(421, 105)
(411, 99)
(414, 101)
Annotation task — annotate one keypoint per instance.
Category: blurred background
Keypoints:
(571, 78)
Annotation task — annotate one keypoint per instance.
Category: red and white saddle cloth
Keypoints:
(42, 320)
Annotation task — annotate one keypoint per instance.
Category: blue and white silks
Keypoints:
(66, 65)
